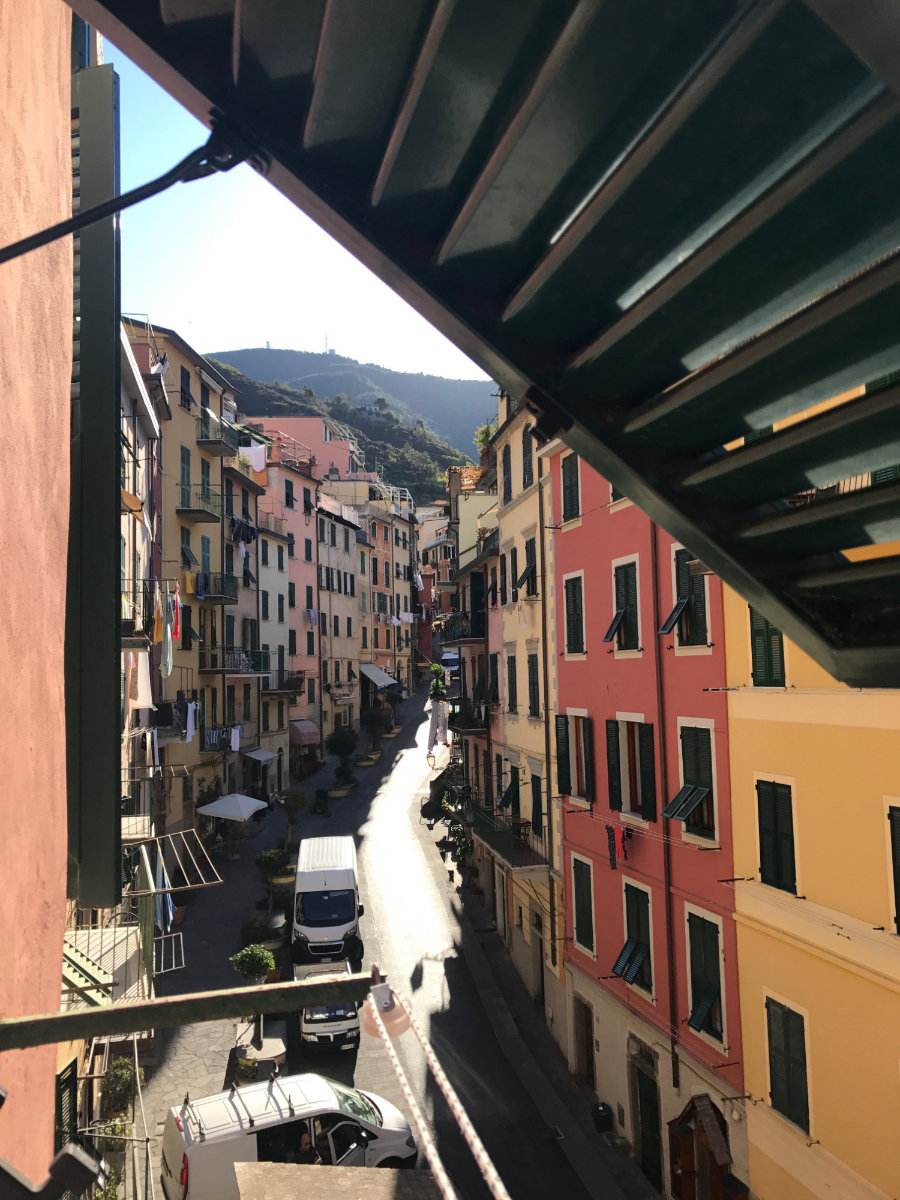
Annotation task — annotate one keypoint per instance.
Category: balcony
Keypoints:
(136, 623)
(466, 717)
(215, 437)
(282, 683)
(233, 660)
(222, 588)
(215, 737)
(511, 839)
(197, 503)
(464, 627)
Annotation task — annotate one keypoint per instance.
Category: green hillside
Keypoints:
(405, 451)
(452, 407)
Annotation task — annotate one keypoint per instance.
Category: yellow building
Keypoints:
(522, 832)
(815, 786)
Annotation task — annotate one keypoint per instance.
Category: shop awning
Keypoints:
(259, 755)
(380, 678)
(304, 732)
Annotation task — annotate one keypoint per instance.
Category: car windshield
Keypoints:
(330, 1012)
(355, 1104)
(326, 908)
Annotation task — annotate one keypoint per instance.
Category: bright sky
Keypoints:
(229, 263)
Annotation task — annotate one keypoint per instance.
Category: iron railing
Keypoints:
(210, 429)
(466, 716)
(283, 680)
(234, 660)
(222, 588)
(510, 837)
(197, 498)
(215, 737)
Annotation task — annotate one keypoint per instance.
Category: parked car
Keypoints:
(271, 1122)
(328, 1026)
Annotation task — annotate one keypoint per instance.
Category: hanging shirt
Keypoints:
(236, 737)
(611, 845)
(165, 666)
(189, 725)
(176, 624)
(157, 617)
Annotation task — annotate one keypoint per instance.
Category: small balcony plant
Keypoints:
(120, 1085)
(254, 962)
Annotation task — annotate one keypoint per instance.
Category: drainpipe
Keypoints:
(543, 568)
(667, 862)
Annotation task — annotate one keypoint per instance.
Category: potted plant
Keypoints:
(376, 723)
(119, 1085)
(437, 689)
(253, 962)
(342, 742)
(245, 1070)
(272, 862)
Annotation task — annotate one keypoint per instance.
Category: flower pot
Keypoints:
(274, 976)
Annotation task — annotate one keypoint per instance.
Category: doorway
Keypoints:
(648, 1136)
(583, 1026)
(537, 968)
(500, 900)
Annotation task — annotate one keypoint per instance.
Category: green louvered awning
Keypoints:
(662, 227)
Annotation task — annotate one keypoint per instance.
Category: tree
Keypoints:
(381, 404)
(483, 435)
(342, 742)
(376, 722)
(294, 800)
(438, 688)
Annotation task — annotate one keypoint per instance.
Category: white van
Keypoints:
(266, 1122)
(328, 1026)
(326, 902)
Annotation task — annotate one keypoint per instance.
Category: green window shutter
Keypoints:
(563, 772)
(507, 475)
(704, 758)
(787, 1063)
(292, 641)
(502, 578)
(584, 917)
(894, 822)
(706, 1009)
(587, 733)
(682, 574)
(613, 765)
(697, 608)
(66, 1129)
(537, 807)
(534, 704)
(647, 763)
(776, 835)
(574, 617)
(759, 656)
(689, 754)
(631, 639)
(527, 457)
(569, 487)
(514, 573)
(511, 697)
(776, 656)
(639, 969)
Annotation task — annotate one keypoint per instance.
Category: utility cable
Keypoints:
(223, 150)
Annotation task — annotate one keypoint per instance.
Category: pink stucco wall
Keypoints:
(35, 373)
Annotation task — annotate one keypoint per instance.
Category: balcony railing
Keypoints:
(234, 660)
(509, 837)
(214, 437)
(137, 609)
(222, 588)
(215, 737)
(203, 504)
(468, 717)
(462, 627)
(284, 682)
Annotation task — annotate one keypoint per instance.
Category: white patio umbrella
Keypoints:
(233, 806)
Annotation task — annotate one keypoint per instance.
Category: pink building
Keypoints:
(641, 736)
(330, 444)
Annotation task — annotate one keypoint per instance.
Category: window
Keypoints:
(530, 573)
(689, 613)
(349, 627)
(570, 498)
(332, 529)
(289, 493)
(245, 504)
(511, 699)
(776, 835)
(229, 559)
(492, 590)
(185, 399)
(375, 638)
(766, 652)
(186, 631)
(229, 705)
(204, 479)
(534, 702)
(575, 756)
(384, 533)
(631, 768)
(310, 642)
(204, 553)
(247, 694)
(321, 529)
(187, 557)
(264, 552)
(229, 631)
(281, 606)
(337, 625)
(311, 690)
(387, 639)
(507, 475)
(347, 541)
(324, 670)
(527, 457)
(693, 803)
(787, 1063)
(229, 498)
(214, 706)
(615, 494)
(583, 896)
(309, 596)
(373, 529)
(365, 637)
(514, 573)
(352, 581)
(494, 679)
(537, 804)
(292, 641)
(281, 714)
(307, 500)
(624, 625)
(264, 600)
(574, 616)
(635, 964)
(362, 600)
(280, 552)
(503, 596)
(706, 985)
(292, 594)
(290, 545)
(265, 717)
(307, 550)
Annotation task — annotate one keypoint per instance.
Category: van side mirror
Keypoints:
(360, 909)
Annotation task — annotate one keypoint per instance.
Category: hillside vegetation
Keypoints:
(405, 452)
(452, 407)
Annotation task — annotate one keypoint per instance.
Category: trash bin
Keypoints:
(603, 1117)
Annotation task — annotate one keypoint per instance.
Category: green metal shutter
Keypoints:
(563, 772)
(578, 603)
(527, 457)
(613, 765)
(796, 1070)
(648, 772)
(776, 656)
(587, 733)
(768, 839)
(697, 606)
(778, 1075)
(511, 698)
(514, 573)
(571, 637)
(537, 808)
(704, 758)
(570, 487)
(682, 574)
(689, 758)
(66, 1129)
(534, 704)
(584, 917)
(502, 578)
(507, 474)
(632, 640)
(894, 820)
(759, 657)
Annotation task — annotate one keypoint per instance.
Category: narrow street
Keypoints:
(411, 930)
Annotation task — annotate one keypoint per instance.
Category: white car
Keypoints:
(266, 1122)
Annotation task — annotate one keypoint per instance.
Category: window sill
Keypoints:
(575, 655)
(626, 654)
(629, 818)
(695, 839)
(571, 523)
(690, 651)
(642, 993)
(617, 505)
